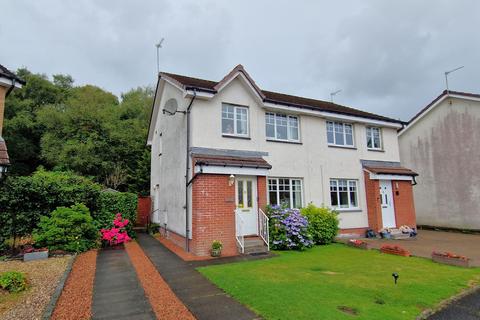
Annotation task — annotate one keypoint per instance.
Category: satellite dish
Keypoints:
(170, 107)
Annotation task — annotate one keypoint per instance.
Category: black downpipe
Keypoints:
(187, 169)
(11, 88)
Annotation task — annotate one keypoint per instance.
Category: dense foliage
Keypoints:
(69, 229)
(322, 223)
(79, 128)
(13, 281)
(23, 200)
(288, 229)
(111, 203)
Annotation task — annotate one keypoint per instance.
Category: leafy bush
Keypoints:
(69, 229)
(217, 245)
(13, 281)
(117, 234)
(288, 229)
(322, 223)
(110, 203)
(25, 199)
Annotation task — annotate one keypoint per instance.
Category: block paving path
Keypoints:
(117, 292)
(204, 300)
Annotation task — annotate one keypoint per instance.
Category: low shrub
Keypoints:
(117, 234)
(288, 229)
(13, 281)
(217, 245)
(322, 223)
(153, 228)
(110, 203)
(69, 229)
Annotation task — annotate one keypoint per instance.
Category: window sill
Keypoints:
(284, 141)
(348, 210)
(235, 137)
(376, 150)
(341, 147)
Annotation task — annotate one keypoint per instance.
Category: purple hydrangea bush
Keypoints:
(288, 229)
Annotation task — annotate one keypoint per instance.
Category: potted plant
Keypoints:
(216, 248)
(356, 243)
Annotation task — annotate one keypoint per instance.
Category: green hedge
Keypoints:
(110, 203)
(23, 200)
(322, 223)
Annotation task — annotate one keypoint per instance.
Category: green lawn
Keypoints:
(314, 284)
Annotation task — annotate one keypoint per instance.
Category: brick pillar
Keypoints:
(374, 209)
(404, 205)
(262, 192)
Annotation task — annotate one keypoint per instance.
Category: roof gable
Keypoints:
(437, 101)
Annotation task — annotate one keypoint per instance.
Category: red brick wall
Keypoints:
(213, 218)
(404, 205)
(374, 209)
(359, 231)
(262, 192)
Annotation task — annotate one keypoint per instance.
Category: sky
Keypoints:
(387, 57)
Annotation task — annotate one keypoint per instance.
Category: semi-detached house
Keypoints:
(223, 150)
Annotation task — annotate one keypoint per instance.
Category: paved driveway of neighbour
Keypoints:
(427, 241)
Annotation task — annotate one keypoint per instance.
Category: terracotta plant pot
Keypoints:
(360, 245)
(396, 250)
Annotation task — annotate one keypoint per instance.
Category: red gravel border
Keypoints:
(164, 302)
(75, 302)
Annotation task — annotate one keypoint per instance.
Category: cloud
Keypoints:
(386, 56)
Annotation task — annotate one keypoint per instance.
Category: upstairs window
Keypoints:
(234, 120)
(340, 134)
(281, 127)
(343, 193)
(374, 138)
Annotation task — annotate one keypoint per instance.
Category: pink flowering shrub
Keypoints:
(118, 233)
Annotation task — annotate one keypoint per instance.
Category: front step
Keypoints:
(396, 234)
(255, 245)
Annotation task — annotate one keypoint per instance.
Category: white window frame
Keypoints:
(350, 207)
(235, 131)
(290, 190)
(289, 138)
(344, 145)
(369, 129)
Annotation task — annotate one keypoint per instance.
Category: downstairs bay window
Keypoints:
(285, 191)
(344, 194)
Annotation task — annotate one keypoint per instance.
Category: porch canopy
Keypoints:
(387, 170)
(226, 161)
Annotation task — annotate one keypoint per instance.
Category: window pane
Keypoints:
(297, 193)
(293, 128)
(330, 132)
(343, 199)
(339, 134)
(281, 123)
(272, 196)
(240, 193)
(241, 120)
(249, 194)
(284, 198)
(272, 184)
(227, 126)
(334, 198)
(353, 193)
(369, 138)
(227, 119)
(376, 138)
(270, 125)
(348, 135)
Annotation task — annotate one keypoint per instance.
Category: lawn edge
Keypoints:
(48, 311)
(446, 302)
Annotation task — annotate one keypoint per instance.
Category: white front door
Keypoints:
(246, 201)
(386, 201)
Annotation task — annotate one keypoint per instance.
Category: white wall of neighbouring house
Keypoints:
(312, 160)
(443, 147)
(168, 158)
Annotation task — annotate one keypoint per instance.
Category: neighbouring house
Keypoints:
(442, 144)
(223, 150)
(8, 81)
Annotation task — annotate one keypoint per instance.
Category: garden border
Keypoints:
(48, 311)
